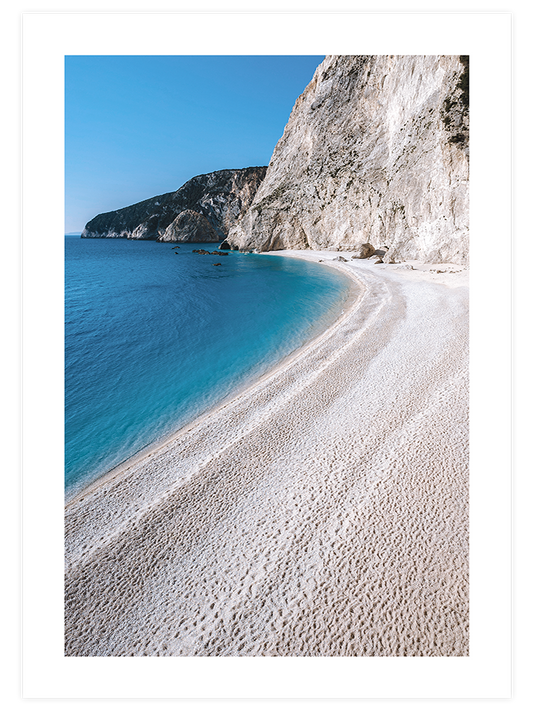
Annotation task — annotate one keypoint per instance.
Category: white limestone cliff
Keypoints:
(375, 151)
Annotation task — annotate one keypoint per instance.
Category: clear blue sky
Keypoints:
(140, 126)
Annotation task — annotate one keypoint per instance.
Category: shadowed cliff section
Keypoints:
(375, 151)
(202, 210)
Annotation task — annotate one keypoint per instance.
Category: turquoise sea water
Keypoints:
(153, 339)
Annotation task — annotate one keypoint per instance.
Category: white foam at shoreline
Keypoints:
(321, 512)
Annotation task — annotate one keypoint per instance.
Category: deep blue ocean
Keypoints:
(153, 338)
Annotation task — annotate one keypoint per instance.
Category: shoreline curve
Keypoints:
(351, 299)
(322, 512)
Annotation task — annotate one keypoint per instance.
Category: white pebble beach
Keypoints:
(323, 511)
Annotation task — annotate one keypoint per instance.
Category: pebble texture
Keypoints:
(322, 512)
(375, 151)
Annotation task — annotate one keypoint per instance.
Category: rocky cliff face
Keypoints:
(375, 150)
(202, 210)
